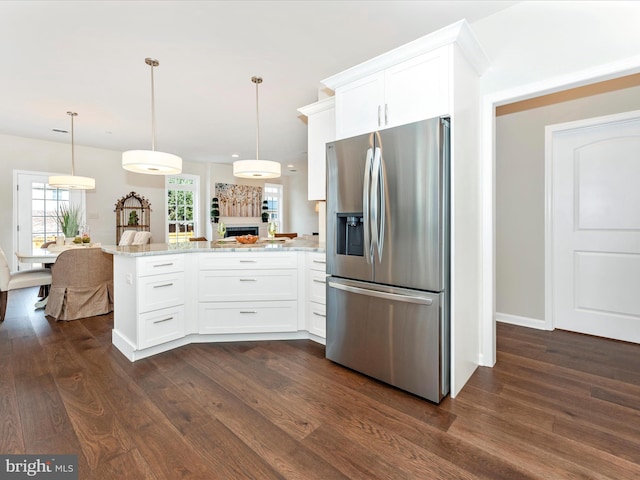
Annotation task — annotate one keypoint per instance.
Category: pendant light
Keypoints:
(150, 161)
(256, 168)
(72, 182)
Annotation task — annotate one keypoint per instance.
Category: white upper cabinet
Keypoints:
(411, 83)
(410, 91)
(321, 125)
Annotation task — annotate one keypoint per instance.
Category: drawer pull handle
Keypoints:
(319, 281)
(320, 261)
(247, 261)
(248, 311)
(319, 315)
(163, 265)
(163, 285)
(248, 280)
(163, 320)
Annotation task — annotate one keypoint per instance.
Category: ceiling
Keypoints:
(88, 57)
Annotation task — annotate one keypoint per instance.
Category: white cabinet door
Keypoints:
(359, 106)
(317, 319)
(161, 326)
(322, 129)
(418, 88)
(413, 90)
(247, 317)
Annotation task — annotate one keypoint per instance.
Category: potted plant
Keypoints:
(69, 220)
(215, 210)
(265, 211)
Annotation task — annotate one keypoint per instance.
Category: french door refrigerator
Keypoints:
(388, 256)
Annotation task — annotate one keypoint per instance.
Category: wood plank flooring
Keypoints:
(557, 405)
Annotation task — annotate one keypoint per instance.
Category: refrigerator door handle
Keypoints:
(374, 190)
(366, 214)
(383, 206)
(397, 297)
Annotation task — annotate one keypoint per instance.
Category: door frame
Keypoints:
(490, 101)
(550, 131)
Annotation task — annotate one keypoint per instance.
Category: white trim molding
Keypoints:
(522, 321)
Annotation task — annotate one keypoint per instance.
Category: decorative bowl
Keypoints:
(246, 239)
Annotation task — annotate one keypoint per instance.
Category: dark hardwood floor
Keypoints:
(557, 405)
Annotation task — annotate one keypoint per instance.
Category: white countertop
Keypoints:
(288, 245)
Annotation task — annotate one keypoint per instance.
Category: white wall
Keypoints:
(299, 214)
(112, 182)
(520, 195)
(536, 40)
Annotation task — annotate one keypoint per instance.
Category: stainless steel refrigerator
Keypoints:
(388, 256)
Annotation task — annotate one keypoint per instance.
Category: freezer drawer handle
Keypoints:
(388, 296)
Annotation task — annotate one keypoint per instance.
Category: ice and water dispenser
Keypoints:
(350, 233)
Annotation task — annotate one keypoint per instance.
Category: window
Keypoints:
(46, 202)
(182, 207)
(273, 196)
(36, 210)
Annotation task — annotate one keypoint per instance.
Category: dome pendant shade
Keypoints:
(151, 162)
(72, 182)
(256, 169)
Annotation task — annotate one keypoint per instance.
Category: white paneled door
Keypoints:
(593, 244)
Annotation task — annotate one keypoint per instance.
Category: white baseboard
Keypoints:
(521, 321)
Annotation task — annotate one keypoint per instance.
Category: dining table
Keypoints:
(38, 255)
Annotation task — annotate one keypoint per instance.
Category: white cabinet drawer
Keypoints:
(161, 326)
(250, 317)
(159, 264)
(317, 286)
(318, 261)
(160, 291)
(247, 285)
(249, 260)
(317, 319)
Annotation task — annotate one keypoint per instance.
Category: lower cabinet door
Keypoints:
(249, 317)
(161, 326)
(317, 319)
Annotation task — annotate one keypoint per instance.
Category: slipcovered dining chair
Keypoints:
(81, 285)
(13, 281)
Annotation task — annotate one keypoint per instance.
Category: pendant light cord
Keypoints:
(152, 63)
(73, 160)
(257, 80)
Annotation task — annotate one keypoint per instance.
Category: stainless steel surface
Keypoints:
(387, 302)
(396, 341)
(398, 295)
(400, 192)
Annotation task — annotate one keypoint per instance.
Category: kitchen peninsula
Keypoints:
(167, 296)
